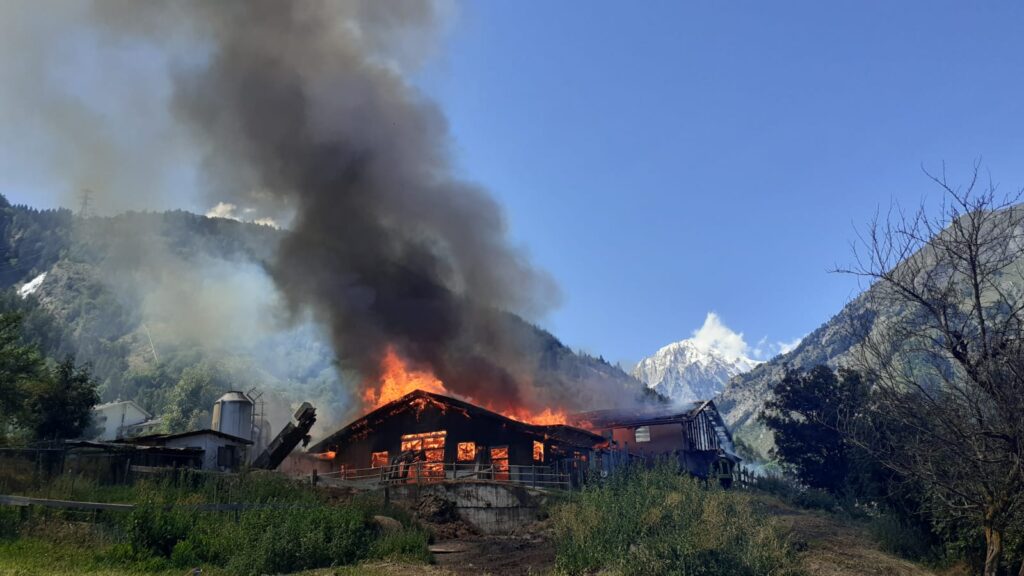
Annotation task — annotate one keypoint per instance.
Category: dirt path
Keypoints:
(500, 556)
(837, 548)
(832, 547)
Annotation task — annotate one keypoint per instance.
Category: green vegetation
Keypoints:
(660, 522)
(289, 528)
(40, 399)
(172, 309)
(805, 415)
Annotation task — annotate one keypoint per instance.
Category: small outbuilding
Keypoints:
(220, 451)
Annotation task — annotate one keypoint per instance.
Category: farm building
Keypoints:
(696, 436)
(220, 451)
(424, 436)
(121, 419)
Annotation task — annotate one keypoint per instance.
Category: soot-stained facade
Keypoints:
(696, 436)
(441, 434)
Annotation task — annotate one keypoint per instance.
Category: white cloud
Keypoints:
(785, 347)
(765, 350)
(715, 335)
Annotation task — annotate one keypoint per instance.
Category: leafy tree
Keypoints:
(19, 365)
(60, 404)
(191, 400)
(806, 415)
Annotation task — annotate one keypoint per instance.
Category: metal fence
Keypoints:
(434, 472)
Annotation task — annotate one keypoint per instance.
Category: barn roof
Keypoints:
(620, 418)
(161, 438)
(420, 398)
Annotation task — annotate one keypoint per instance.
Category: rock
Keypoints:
(433, 508)
(387, 524)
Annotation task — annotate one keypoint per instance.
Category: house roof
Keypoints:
(561, 432)
(625, 418)
(100, 407)
(161, 438)
(124, 446)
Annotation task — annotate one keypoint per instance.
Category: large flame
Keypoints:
(397, 380)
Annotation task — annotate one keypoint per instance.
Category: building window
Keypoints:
(643, 434)
(467, 452)
(423, 440)
(538, 451)
(499, 459)
(378, 459)
(434, 468)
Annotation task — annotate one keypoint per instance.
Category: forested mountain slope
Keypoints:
(746, 394)
(172, 308)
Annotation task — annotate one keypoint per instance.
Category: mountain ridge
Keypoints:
(146, 296)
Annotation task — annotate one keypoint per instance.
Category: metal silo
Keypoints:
(232, 414)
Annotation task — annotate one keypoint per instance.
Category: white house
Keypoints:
(117, 419)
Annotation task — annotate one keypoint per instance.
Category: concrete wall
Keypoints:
(490, 508)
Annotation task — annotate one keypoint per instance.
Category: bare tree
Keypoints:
(946, 353)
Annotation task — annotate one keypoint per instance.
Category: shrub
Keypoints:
(659, 522)
(408, 545)
(286, 540)
(152, 529)
(903, 539)
(10, 523)
(815, 499)
(184, 554)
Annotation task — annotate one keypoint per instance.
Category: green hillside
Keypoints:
(173, 308)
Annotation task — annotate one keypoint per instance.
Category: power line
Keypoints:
(84, 200)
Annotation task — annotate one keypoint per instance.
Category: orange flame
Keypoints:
(544, 417)
(397, 380)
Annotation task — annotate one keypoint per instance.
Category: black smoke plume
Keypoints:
(302, 112)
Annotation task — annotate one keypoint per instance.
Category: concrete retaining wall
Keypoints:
(489, 507)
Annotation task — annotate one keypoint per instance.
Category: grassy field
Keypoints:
(644, 522)
(660, 522)
(292, 528)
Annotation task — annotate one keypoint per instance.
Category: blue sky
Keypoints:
(689, 157)
(667, 159)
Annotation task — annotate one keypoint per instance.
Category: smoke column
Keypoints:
(301, 112)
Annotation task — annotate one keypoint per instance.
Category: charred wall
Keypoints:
(355, 451)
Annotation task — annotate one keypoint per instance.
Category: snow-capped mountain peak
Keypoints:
(691, 370)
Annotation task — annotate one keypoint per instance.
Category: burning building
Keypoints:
(426, 436)
(697, 437)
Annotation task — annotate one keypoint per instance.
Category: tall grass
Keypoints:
(649, 522)
(295, 528)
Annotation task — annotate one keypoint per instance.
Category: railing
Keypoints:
(434, 472)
